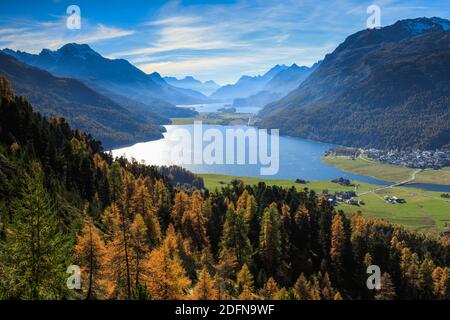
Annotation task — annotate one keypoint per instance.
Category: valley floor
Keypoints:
(217, 118)
(367, 167)
(424, 211)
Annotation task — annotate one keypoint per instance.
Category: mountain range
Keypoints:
(189, 82)
(107, 120)
(114, 75)
(246, 85)
(279, 86)
(383, 88)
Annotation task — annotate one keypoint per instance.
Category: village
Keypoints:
(349, 197)
(340, 197)
(412, 159)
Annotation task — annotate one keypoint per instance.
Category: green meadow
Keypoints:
(375, 169)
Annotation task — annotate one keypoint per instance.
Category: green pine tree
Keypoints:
(270, 240)
(235, 236)
(35, 252)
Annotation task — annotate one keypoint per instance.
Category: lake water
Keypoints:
(299, 158)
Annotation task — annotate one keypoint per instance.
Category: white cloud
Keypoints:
(33, 37)
(231, 66)
(173, 20)
(245, 37)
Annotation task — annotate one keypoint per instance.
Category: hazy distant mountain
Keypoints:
(386, 88)
(289, 79)
(81, 62)
(112, 123)
(194, 96)
(189, 82)
(279, 86)
(247, 86)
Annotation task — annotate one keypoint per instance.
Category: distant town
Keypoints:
(412, 159)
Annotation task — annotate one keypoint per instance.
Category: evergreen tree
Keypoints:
(410, 271)
(119, 259)
(270, 240)
(180, 205)
(426, 278)
(189, 258)
(338, 296)
(244, 278)
(161, 200)
(166, 279)
(235, 236)
(387, 291)
(324, 224)
(242, 201)
(337, 245)
(115, 181)
(315, 287)
(226, 268)
(301, 242)
(193, 223)
(441, 283)
(327, 291)
(138, 249)
(302, 288)
(270, 290)
(90, 252)
(244, 284)
(287, 226)
(204, 289)
(35, 253)
(141, 203)
(215, 210)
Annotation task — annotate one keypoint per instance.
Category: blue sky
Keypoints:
(219, 40)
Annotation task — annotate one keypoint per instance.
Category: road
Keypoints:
(413, 177)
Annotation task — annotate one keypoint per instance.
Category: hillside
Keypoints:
(115, 124)
(383, 88)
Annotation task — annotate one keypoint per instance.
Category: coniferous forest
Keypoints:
(143, 232)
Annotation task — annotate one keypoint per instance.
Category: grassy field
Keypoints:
(371, 168)
(224, 119)
(441, 176)
(366, 167)
(213, 181)
(424, 210)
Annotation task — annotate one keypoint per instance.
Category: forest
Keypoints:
(142, 232)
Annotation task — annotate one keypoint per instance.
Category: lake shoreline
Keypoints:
(300, 158)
